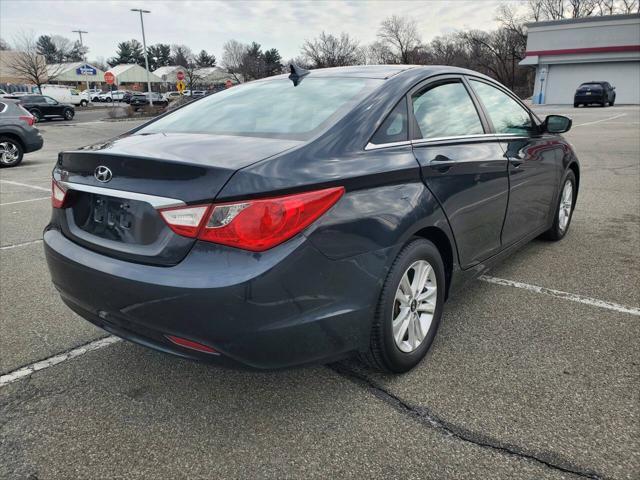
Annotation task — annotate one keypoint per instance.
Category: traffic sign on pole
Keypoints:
(180, 85)
(180, 75)
(110, 78)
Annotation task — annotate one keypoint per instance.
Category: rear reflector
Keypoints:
(58, 195)
(183, 342)
(255, 225)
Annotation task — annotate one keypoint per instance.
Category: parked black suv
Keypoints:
(601, 93)
(43, 107)
(17, 134)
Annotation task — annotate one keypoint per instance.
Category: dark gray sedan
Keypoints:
(17, 133)
(308, 217)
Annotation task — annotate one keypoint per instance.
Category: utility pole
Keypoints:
(80, 32)
(144, 45)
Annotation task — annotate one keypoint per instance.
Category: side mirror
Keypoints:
(557, 124)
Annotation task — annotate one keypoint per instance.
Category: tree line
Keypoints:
(496, 53)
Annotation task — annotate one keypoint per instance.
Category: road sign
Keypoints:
(180, 85)
(180, 75)
(110, 78)
(228, 84)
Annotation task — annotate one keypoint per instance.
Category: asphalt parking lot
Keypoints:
(535, 372)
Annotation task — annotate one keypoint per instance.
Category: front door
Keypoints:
(534, 162)
(52, 106)
(464, 167)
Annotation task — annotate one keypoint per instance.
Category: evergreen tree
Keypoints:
(159, 56)
(205, 60)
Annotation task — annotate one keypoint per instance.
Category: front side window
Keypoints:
(272, 108)
(50, 100)
(445, 110)
(507, 115)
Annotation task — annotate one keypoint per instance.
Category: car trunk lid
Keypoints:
(116, 188)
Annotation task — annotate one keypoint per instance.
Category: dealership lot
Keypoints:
(521, 382)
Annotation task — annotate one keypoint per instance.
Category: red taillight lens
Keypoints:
(58, 195)
(183, 342)
(28, 119)
(255, 225)
(185, 220)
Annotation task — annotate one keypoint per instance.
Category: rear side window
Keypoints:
(395, 127)
(507, 115)
(445, 110)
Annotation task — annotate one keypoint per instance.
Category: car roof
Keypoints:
(593, 81)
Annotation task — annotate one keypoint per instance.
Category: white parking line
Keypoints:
(600, 121)
(25, 201)
(594, 302)
(35, 187)
(23, 244)
(56, 359)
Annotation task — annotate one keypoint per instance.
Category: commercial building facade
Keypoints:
(566, 53)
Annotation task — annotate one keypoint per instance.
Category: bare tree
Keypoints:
(581, 8)
(630, 6)
(378, 53)
(401, 35)
(233, 53)
(330, 51)
(28, 64)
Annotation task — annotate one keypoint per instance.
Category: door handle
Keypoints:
(442, 167)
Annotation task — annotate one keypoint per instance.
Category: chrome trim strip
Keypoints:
(154, 201)
(373, 146)
(423, 141)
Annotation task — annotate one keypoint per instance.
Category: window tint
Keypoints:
(506, 114)
(395, 127)
(445, 110)
(271, 108)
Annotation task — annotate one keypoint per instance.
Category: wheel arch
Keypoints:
(15, 138)
(573, 166)
(442, 242)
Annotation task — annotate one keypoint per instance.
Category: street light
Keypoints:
(80, 32)
(144, 45)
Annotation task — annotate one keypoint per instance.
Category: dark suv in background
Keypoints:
(601, 93)
(43, 107)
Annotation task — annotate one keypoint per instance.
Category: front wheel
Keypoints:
(409, 309)
(11, 152)
(564, 209)
(68, 114)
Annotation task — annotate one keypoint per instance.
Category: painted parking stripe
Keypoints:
(18, 184)
(594, 302)
(599, 121)
(25, 201)
(56, 359)
(23, 244)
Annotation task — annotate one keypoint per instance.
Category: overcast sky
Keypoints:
(205, 24)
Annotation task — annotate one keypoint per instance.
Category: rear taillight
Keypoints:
(28, 119)
(255, 225)
(58, 195)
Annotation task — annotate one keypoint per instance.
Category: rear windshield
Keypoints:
(272, 108)
(591, 86)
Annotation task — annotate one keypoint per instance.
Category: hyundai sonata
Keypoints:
(307, 217)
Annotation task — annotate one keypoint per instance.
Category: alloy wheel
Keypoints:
(414, 306)
(9, 153)
(566, 202)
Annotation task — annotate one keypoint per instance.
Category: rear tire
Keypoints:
(405, 324)
(564, 209)
(84, 103)
(11, 152)
(576, 105)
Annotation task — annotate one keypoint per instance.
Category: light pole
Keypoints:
(144, 45)
(80, 32)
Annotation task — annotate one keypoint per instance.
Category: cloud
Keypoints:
(207, 24)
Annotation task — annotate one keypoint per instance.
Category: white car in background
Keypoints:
(115, 96)
(64, 94)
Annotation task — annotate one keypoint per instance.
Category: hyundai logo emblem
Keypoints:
(102, 174)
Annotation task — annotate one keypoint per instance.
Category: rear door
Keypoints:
(463, 166)
(534, 161)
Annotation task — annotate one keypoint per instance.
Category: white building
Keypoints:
(168, 73)
(567, 53)
(75, 73)
(131, 73)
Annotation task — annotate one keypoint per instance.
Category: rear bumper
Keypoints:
(33, 142)
(288, 306)
(588, 99)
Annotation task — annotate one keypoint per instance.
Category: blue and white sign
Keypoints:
(86, 70)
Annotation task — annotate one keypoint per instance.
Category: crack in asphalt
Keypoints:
(424, 416)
